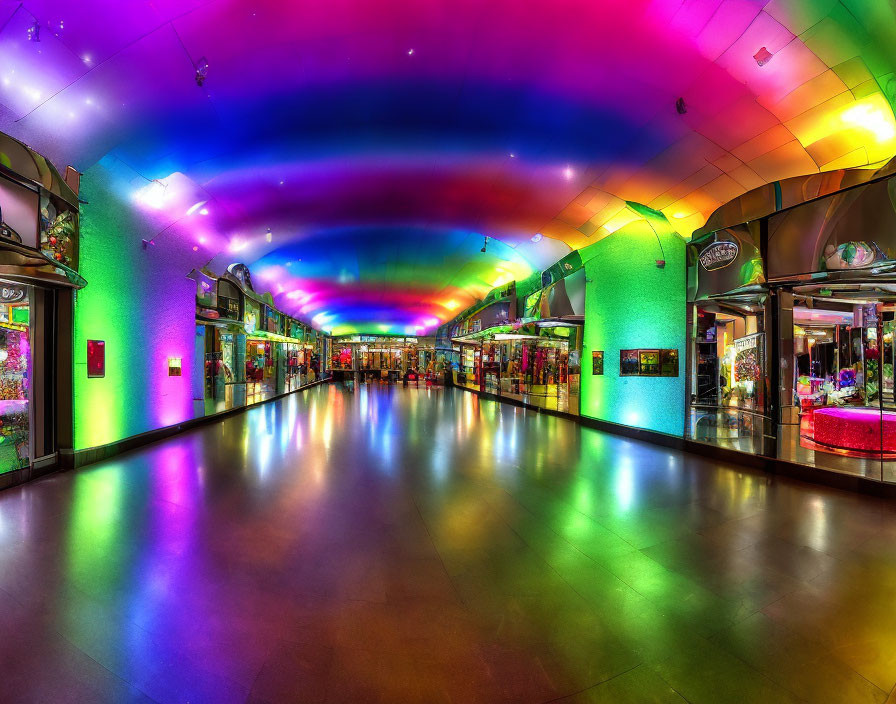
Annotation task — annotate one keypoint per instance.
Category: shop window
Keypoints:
(15, 377)
(728, 385)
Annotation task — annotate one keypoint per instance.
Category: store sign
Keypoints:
(11, 294)
(745, 343)
(718, 255)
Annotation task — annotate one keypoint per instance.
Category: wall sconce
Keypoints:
(174, 366)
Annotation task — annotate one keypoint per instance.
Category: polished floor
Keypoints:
(420, 545)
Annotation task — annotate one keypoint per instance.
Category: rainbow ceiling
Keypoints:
(356, 154)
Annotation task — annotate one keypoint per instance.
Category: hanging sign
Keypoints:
(11, 294)
(718, 255)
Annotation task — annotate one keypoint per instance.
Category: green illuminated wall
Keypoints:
(139, 301)
(630, 303)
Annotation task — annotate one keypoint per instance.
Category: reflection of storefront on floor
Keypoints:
(820, 331)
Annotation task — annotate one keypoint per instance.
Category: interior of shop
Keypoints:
(15, 377)
(728, 402)
(843, 378)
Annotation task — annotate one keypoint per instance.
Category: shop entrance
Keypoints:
(728, 402)
(843, 379)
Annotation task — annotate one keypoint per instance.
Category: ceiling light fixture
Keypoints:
(201, 71)
(537, 237)
(763, 56)
(484, 244)
(34, 32)
(680, 106)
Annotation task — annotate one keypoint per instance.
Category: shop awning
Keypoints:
(28, 266)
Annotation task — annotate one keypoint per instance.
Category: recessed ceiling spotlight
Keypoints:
(203, 211)
(410, 52)
(568, 173)
(537, 237)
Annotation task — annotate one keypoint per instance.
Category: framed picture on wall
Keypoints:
(649, 362)
(96, 359)
(669, 362)
(597, 362)
(628, 362)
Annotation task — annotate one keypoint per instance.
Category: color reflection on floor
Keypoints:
(421, 545)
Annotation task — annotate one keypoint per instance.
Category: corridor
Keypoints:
(422, 545)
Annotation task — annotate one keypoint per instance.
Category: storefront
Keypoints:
(219, 315)
(379, 357)
(728, 316)
(544, 367)
(815, 322)
(38, 262)
(252, 351)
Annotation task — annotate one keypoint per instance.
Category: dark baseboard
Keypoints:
(770, 465)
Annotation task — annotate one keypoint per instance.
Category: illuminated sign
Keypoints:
(718, 255)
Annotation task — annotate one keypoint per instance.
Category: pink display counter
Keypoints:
(865, 429)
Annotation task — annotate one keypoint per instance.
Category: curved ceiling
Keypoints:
(356, 153)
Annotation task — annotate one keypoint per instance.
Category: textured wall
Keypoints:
(630, 304)
(141, 304)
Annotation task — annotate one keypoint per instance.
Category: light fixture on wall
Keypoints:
(268, 236)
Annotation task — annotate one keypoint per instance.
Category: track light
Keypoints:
(484, 244)
(34, 32)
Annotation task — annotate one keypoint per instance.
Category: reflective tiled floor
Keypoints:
(413, 545)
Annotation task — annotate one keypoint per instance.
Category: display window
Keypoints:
(728, 394)
(842, 380)
(15, 377)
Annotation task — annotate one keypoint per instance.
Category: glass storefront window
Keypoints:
(728, 385)
(15, 378)
(843, 409)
